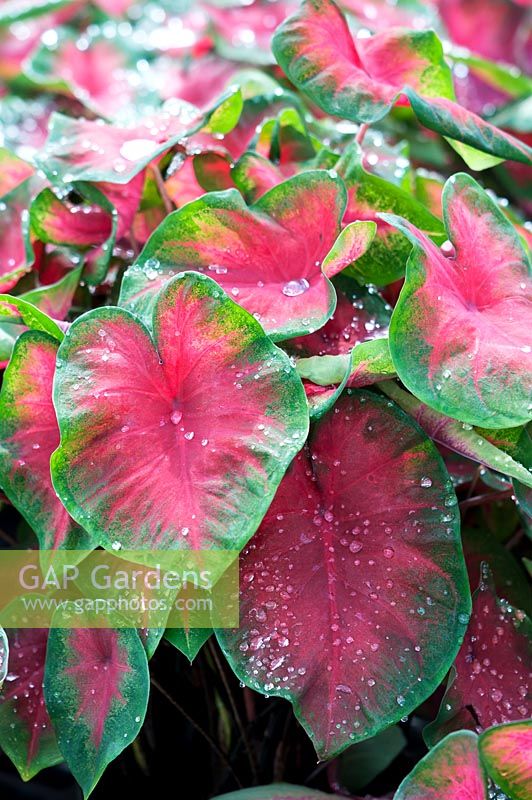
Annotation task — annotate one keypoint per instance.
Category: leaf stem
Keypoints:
(482, 499)
(359, 138)
(221, 755)
(168, 205)
(236, 714)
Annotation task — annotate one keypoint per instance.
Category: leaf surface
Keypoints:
(507, 754)
(384, 554)
(96, 687)
(179, 442)
(267, 257)
(459, 332)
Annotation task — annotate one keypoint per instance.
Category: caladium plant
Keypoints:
(251, 304)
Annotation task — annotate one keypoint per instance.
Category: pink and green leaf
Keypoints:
(16, 253)
(356, 80)
(362, 79)
(18, 311)
(451, 771)
(53, 221)
(29, 435)
(354, 240)
(53, 300)
(459, 332)
(26, 733)
(369, 362)
(268, 257)
(366, 518)
(16, 10)
(96, 686)
(165, 438)
(460, 437)
(490, 679)
(507, 755)
(370, 194)
(450, 119)
(13, 171)
(94, 151)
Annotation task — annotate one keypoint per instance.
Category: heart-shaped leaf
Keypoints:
(26, 733)
(356, 80)
(365, 518)
(199, 422)
(507, 755)
(451, 771)
(29, 435)
(361, 80)
(459, 332)
(489, 682)
(268, 257)
(96, 686)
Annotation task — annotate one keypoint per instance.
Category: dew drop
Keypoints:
(137, 149)
(295, 288)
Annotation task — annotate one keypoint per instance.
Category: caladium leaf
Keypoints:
(16, 253)
(352, 243)
(458, 334)
(460, 437)
(96, 686)
(53, 300)
(17, 310)
(356, 80)
(4, 656)
(189, 642)
(369, 195)
(220, 405)
(91, 150)
(268, 257)
(278, 791)
(384, 551)
(29, 435)
(26, 733)
(361, 80)
(507, 755)
(490, 679)
(451, 771)
(13, 171)
(467, 132)
(53, 221)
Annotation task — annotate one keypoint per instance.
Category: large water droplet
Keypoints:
(137, 149)
(294, 288)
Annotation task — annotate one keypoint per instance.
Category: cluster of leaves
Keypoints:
(253, 302)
